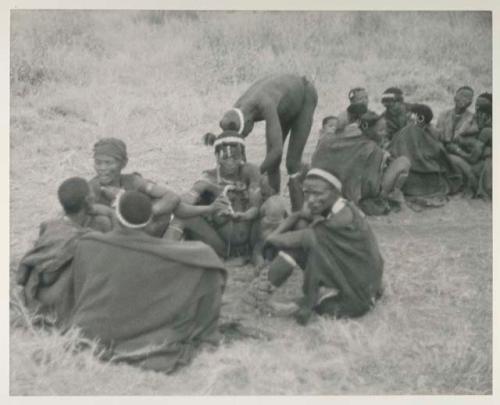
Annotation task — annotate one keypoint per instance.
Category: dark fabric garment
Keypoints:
(431, 169)
(149, 301)
(396, 122)
(344, 256)
(356, 161)
(43, 270)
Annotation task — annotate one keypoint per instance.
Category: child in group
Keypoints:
(328, 126)
(271, 212)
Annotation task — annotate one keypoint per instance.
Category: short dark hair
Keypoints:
(465, 88)
(487, 96)
(424, 111)
(135, 207)
(328, 118)
(396, 91)
(357, 110)
(72, 194)
(369, 119)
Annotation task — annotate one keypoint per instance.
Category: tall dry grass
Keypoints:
(159, 80)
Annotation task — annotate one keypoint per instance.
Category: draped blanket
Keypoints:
(431, 168)
(356, 161)
(347, 258)
(150, 302)
(44, 270)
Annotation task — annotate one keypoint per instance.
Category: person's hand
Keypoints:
(221, 205)
(302, 316)
(305, 213)
(110, 192)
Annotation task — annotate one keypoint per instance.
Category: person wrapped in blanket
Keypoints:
(234, 180)
(336, 249)
(43, 271)
(149, 302)
(371, 177)
(432, 174)
(110, 158)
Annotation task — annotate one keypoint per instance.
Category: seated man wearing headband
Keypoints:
(371, 178)
(110, 157)
(43, 271)
(149, 302)
(396, 112)
(228, 231)
(286, 103)
(337, 251)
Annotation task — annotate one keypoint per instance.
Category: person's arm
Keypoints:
(165, 200)
(274, 136)
(251, 173)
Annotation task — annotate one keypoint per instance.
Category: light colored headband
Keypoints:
(229, 139)
(330, 178)
(241, 118)
(123, 221)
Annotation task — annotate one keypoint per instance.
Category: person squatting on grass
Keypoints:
(110, 158)
(432, 174)
(235, 181)
(149, 302)
(43, 271)
(371, 178)
(337, 250)
(286, 103)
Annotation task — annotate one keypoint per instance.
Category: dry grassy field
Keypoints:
(160, 81)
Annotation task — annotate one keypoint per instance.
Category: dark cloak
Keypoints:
(150, 302)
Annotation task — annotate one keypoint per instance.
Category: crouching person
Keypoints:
(150, 302)
(44, 272)
(337, 251)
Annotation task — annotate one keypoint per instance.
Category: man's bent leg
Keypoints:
(199, 229)
(395, 175)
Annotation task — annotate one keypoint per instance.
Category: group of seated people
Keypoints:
(141, 269)
(400, 156)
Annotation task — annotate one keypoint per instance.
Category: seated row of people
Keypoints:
(453, 156)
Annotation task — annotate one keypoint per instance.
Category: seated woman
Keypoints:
(371, 177)
(43, 271)
(228, 231)
(336, 249)
(149, 302)
(432, 174)
(110, 157)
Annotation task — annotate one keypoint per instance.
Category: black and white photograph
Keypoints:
(249, 202)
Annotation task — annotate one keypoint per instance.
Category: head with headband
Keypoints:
(133, 210)
(235, 120)
(392, 100)
(229, 148)
(321, 190)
